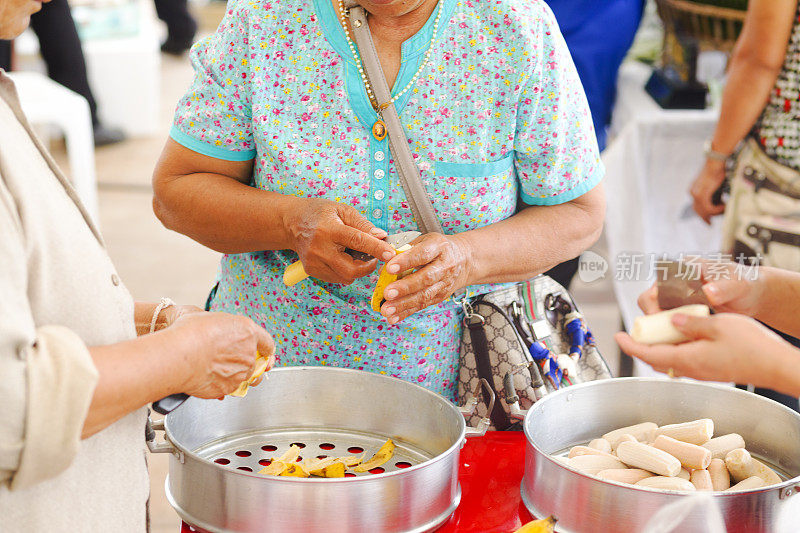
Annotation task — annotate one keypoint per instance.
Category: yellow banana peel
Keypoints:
(546, 525)
(294, 470)
(282, 463)
(334, 470)
(260, 368)
(381, 456)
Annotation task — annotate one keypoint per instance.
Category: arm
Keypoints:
(772, 296)
(531, 243)
(208, 199)
(778, 299)
(724, 347)
(756, 62)
(202, 354)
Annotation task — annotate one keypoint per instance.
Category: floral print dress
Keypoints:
(496, 116)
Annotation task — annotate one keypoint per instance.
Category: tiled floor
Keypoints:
(155, 262)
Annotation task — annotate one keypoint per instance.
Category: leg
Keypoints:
(181, 27)
(62, 52)
(5, 55)
(61, 49)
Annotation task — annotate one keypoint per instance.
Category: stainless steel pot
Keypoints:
(578, 414)
(217, 448)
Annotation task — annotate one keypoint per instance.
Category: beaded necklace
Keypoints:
(379, 128)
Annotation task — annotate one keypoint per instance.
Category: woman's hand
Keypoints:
(705, 185)
(320, 230)
(725, 286)
(723, 347)
(220, 351)
(443, 264)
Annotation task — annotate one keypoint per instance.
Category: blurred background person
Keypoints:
(760, 102)
(61, 51)
(760, 98)
(598, 54)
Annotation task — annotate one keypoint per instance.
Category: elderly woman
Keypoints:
(272, 158)
(75, 378)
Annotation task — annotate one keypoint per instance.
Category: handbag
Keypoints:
(526, 339)
(762, 216)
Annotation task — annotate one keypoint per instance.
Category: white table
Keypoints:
(651, 161)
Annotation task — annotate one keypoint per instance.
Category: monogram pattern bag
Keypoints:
(511, 319)
(495, 346)
(762, 216)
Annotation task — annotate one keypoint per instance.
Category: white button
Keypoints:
(115, 280)
(377, 213)
(379, 195)
(379, 155)
(379, 174)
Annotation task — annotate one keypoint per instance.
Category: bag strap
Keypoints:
(418, 198)
(407, 169)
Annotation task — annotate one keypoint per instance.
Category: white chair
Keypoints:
(46, 102)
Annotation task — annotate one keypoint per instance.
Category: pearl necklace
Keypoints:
(360, 67)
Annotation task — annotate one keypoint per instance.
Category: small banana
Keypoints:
(546, 525)
(384, 279)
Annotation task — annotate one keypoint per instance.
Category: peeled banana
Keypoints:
(546, 525)
(384, 279)
(381, 456)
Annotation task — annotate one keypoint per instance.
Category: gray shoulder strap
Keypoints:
(407, 169)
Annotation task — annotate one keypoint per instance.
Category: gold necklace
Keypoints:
(379, 127)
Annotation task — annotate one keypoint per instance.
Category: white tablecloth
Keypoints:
(651, 161)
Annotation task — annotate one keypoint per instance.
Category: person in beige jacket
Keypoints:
(74, 376)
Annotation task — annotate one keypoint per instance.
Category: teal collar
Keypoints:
(414, 46)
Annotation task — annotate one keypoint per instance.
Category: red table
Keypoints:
(490, 475)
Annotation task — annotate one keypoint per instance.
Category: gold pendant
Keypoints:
(379, 130)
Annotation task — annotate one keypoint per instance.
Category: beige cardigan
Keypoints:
(59, 293)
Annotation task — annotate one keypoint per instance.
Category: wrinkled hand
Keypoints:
(723, 347)
(705, 185)
(727, 290)
(443, 266)
(219, 351)
(320, 231)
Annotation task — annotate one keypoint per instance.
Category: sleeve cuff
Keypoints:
(204, 148)
(567, 196)
(61, 378)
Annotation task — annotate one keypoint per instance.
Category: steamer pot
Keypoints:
(217, 448)
(580, 413)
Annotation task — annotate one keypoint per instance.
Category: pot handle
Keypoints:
(787, 492)
(164, 446)
(469, 408)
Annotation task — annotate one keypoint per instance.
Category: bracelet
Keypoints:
(163, 304)
(710, 153)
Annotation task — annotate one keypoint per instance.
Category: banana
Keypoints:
(381, 456)
(261, 367)
(546, 525)
(384, 279)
